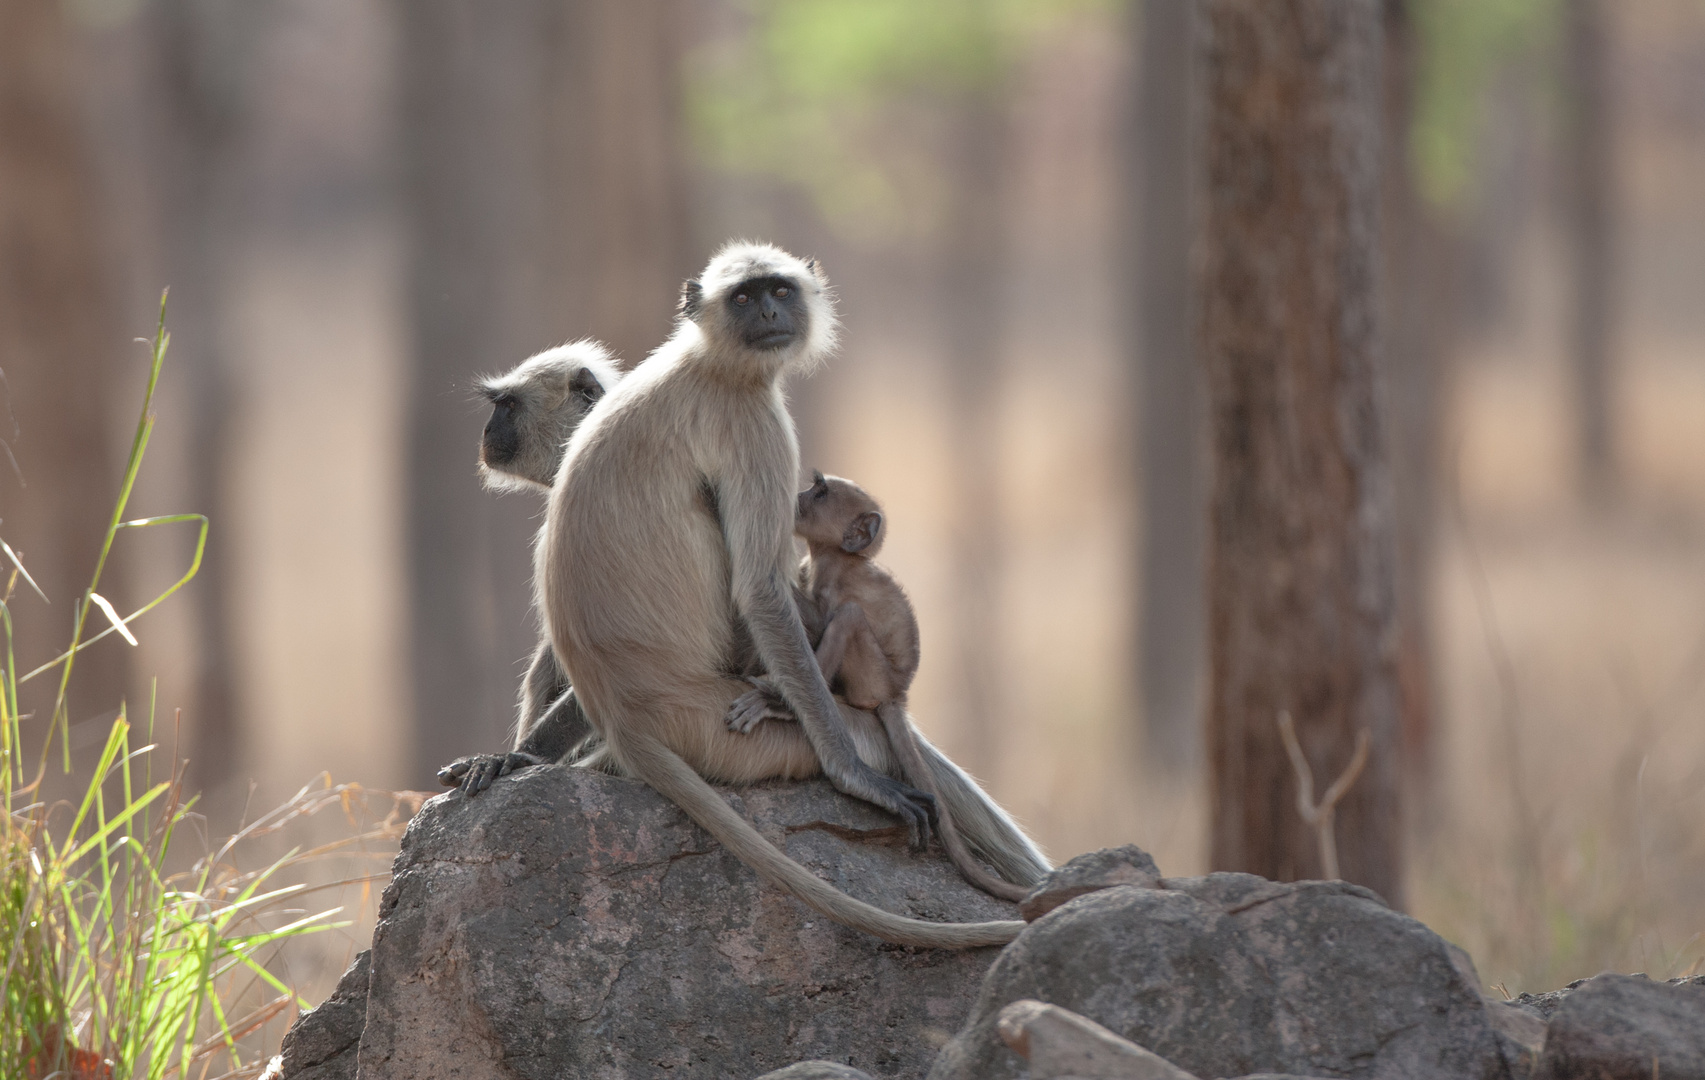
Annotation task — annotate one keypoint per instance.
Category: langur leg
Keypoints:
(546, 682)
(556, 733)
(549, 728)
(687, 718)
(691, 715)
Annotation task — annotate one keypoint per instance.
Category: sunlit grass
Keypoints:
(116, 965)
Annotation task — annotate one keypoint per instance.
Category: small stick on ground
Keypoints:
(1320, 814)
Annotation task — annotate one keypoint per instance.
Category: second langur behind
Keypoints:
(535, 407)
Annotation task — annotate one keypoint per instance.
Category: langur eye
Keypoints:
(741, 298)
(782, 291)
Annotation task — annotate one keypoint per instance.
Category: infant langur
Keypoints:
(867, 640)
(534, 409)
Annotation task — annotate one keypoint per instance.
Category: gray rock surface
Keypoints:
(321, 1044)
(570, 924)
(1061, 1045)
(1520, 1032)
(1544, 1005)
(1626, 1027)
(1521, 1037)
(1231, 974)
(1091, 872)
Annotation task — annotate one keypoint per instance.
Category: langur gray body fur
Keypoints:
(868, 647)
(668, 528)
(535, 407)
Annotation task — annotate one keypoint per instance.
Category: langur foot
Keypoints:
(761, 703)
(474, 773)
(916, 808)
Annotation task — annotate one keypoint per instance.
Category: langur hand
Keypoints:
(763, 702)
(474, 773)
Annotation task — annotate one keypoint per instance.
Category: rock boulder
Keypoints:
(321, 1045)
(1626, 1027)
(567, 923)
(1230, 974)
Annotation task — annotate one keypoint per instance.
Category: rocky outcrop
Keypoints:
(567, 923)
(1626, 1027)
(1092, 872)
(321, 1044)
(1061, 1045)
(1230, 974)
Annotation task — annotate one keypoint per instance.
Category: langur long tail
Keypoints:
(988, 830)
(665, 771)
(905, 740)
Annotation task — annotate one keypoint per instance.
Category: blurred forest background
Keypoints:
(360, 205)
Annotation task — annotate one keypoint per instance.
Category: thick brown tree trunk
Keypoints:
(1589, 193)
(544, 203)
(626, 247)
(1418, 319)
(1302, 615)
(61, 353)
(1169, 420)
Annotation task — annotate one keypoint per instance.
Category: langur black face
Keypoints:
(768, 312)
(501, 440)
(533, 413)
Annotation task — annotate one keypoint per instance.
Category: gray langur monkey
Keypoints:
(669, 527)
(843, 528)
(535, 407)
(868, 649)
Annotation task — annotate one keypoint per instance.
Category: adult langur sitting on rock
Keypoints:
(534, 409)
(669, 527)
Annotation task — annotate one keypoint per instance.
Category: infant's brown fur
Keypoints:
(868, 643)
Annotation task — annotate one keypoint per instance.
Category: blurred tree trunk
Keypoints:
(60, 351)
(199, 61)
(1590, 195)
(627, 247)
(974, 248)
(544, 202)
(1169, 420)
(1301, 579)
(1418, 320)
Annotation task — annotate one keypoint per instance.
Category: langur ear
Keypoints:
(586, 384)
(692, 298)
(816, 271)
(862, 532)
